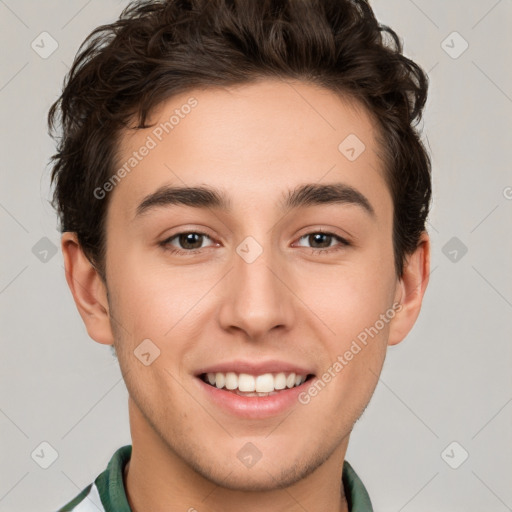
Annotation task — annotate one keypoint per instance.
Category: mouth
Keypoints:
(254, 389)
(249, 385)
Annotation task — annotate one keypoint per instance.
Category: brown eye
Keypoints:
(185, 242)
(322, 241)
(190, 240)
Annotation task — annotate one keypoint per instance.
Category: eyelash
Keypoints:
(165, 244)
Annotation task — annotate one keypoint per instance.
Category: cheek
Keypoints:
(360, 316)
(154, 301)
(350, 298)
(352, 303)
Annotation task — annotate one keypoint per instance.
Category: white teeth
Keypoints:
(231, 381)
(220, 380)
(246, 383)
(260, 385)
(280, 381)
(265, 383)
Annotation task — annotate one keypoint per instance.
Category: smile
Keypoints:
(244, 384)
(251, 395)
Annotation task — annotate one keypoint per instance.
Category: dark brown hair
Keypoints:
(157, 49)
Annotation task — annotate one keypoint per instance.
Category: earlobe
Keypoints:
(88, 290)
(411, 290)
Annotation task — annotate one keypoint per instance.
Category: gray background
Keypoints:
(450, 380)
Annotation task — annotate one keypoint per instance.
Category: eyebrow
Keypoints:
(203, 196)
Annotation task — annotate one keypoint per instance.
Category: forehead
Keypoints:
(254, 141)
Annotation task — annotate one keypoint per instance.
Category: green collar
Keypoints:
(355, 492)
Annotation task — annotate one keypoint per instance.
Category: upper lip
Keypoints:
(255, 367)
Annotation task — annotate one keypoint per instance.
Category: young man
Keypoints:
(243, 196)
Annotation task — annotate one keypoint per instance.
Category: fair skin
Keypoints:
(255, 143)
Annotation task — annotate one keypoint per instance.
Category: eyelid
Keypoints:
(330, 230)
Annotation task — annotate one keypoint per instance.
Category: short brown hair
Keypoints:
(157, 49)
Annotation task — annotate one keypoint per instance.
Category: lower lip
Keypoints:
(254, 407)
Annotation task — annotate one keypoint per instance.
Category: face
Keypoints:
(264, 282)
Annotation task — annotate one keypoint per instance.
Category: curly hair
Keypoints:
(158, 49)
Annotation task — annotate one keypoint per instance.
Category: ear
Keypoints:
(88, 289)
(410, 291)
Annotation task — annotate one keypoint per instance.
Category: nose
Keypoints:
(256, 297)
